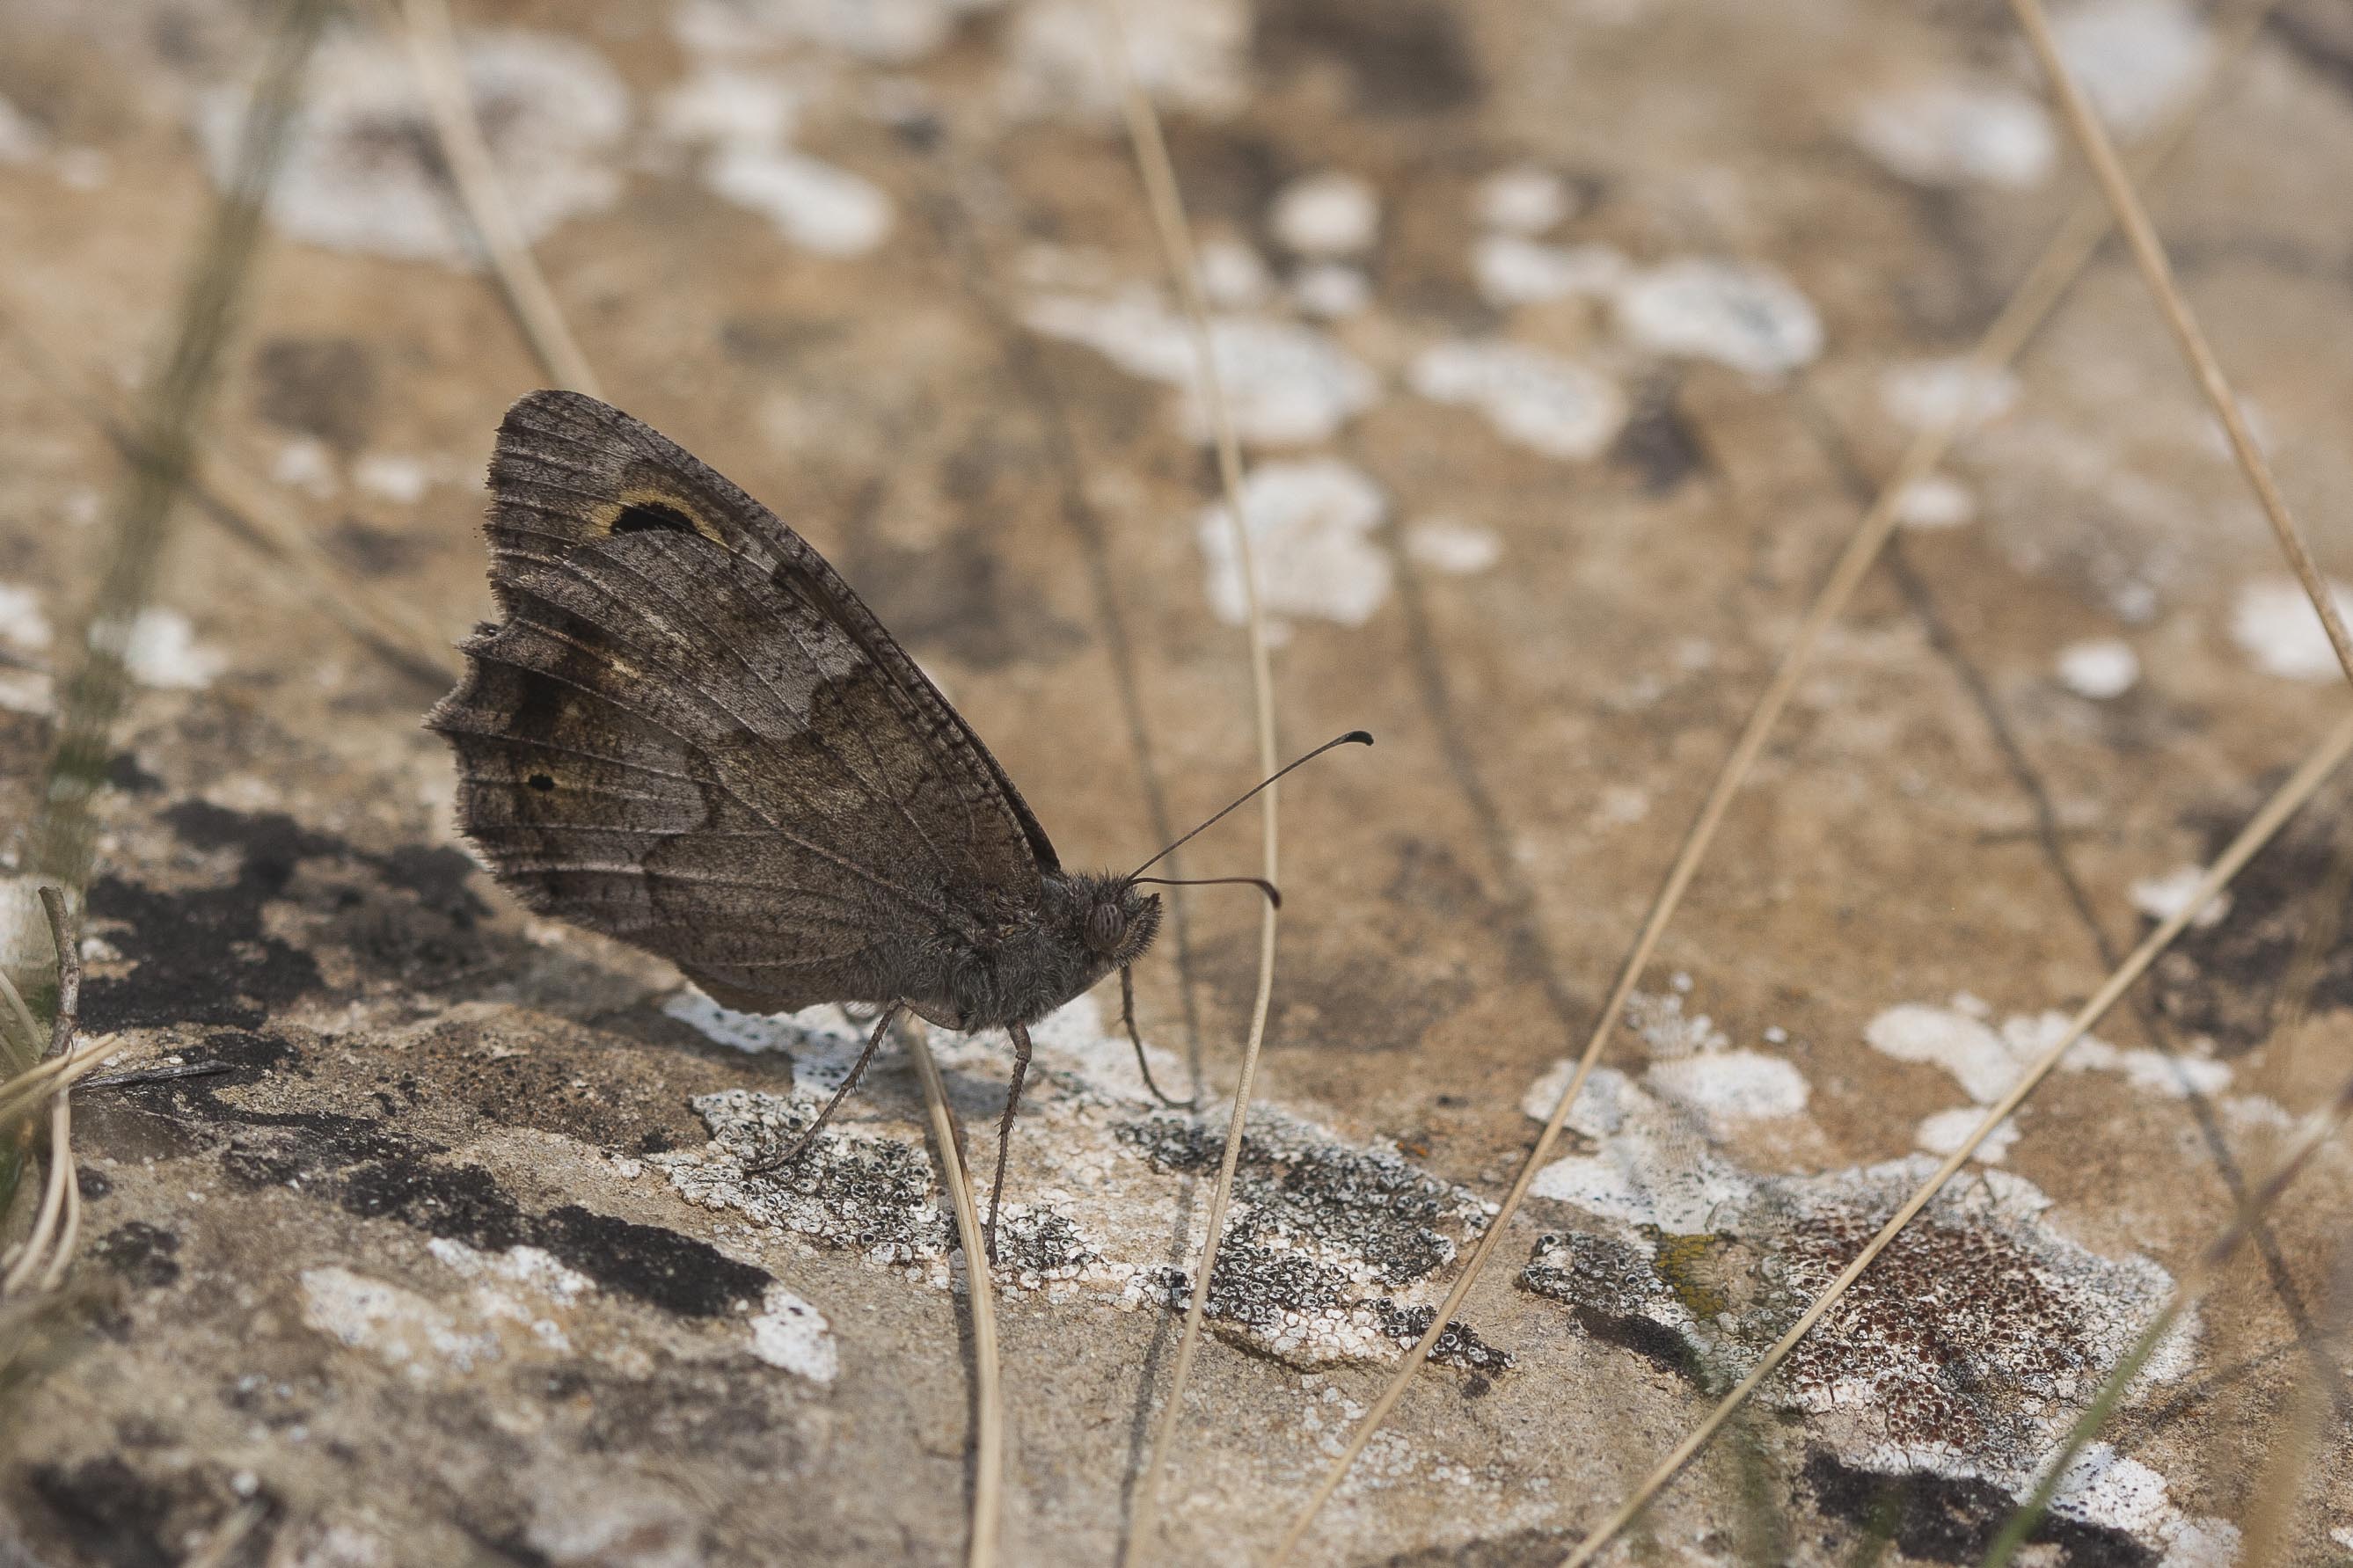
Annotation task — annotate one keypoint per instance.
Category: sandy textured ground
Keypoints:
(1566, 342)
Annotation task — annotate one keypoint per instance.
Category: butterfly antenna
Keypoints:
(1352, 738)
(1273, 894)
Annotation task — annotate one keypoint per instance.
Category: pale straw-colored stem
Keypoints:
(988, 1386)
(2062, 260)
(1159, 177)
(2300, 785)
(2157, 271)
(442, 73)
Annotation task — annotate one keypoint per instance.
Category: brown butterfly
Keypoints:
(688, 732)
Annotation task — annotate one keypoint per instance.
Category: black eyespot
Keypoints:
(540, 781)
(651, 517)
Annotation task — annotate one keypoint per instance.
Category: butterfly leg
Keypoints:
(881, 1027)
(1127, 1016)
(1020, 1033)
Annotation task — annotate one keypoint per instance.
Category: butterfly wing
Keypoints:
(690, 733)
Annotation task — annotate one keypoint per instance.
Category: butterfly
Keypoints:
(688, 732)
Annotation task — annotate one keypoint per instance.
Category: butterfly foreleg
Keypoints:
(881, 1027)
(1127, 1017)
(1020, 1033)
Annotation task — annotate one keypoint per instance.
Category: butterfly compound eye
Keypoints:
(1105, 926)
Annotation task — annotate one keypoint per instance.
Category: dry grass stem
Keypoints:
(2062, 261)
(441, 72)
(2148, 254)
(988, 1385)
(2196, 1276)
(246, 510)
(1159, 177)
(2299, 787)
(172, 410)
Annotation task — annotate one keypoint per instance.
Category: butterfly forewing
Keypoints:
(691, 733)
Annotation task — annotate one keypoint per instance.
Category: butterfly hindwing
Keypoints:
(688, 733)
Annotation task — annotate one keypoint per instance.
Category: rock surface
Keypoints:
(1567, 340)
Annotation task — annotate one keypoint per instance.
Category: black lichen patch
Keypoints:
(145, 1255)
(320, 386)
(459, 1202)
(697, 1412)
(1294, 1189)
(109, 1513)
(1458, 1343)
(1319, 1231)
(1942, 1518)
(677, 1273)
(1614, 1291)
(463, 1202)
(2225, 981)
(1039, 1244)
(871, 1195)
(204, 956)
(1407, 56)
(1658, 444)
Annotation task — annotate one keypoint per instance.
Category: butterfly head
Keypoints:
(1117, 922)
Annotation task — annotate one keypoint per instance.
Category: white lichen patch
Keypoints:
(1745, 317)
(360, 173)
(2160, 897)
(400, 1327)
(1312, 532)
(22, 623)
(815, 204)
(1985, 1060)
(1331, 214)
(1457, 549)
(1233, 275)
(2275, 625)
(393, 477)
(1941, 394)
(1956, 132)
(2099, 667)
(1965, 1352)
(1333, 1254)
(1189, 55)
(1522, 201)
(1933, 502)
(21, 141)
(790, 1333)
(727, 105)
(1539, 400)
(1511, 269)
(1944, 1131)
(2135, 59)
(163, 653)
(1331, 291)
(1730, 1085)
(1286, 384)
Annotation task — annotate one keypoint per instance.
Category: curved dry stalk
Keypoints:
(988, 1384)
(1159, 177)
(2317, 1129)
(2062, 261)
(2148, 254)
(2299, 787)
(433, 46)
